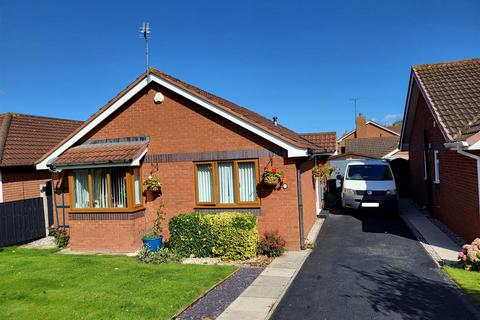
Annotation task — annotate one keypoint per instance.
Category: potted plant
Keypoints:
(153, 185)
(153, 240)
(272, 176)
(323, 171)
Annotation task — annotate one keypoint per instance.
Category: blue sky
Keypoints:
(298, 60)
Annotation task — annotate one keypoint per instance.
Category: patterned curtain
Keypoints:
(225, 182)
(247, 181)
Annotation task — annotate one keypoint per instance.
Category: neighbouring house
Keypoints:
(23, 140)
(209, 154)
(376, 147)
(366, 129)
(441, 132)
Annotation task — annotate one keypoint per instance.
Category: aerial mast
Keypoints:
(145, 31)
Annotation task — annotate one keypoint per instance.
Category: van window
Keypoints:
(369, 172)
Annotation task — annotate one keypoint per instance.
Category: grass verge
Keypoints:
(469, 281)
(42, 284)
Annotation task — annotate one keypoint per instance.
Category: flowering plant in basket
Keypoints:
(323, 171)
(152, 184)
(272, 176)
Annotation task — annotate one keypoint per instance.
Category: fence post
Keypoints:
(43, 194)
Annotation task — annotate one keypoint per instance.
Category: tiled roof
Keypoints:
(323, 140)
(103, 151)
(453, 90)
(25, 138)
(240, 111)
(397, 129)
(376, 147)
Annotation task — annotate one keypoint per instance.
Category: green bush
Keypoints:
(163, 255)
(228, 235)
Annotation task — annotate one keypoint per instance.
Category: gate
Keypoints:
(21, 221)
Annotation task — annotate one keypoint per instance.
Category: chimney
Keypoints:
(361, 126)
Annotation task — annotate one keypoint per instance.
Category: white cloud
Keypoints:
(390, 118)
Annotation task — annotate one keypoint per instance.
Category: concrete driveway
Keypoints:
(370, 266)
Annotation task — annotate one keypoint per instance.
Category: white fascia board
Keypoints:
(388, 155)
(142, 84)
(475, 146)
(292, 150)
(346, 135)
(136, 161)
(373, 123)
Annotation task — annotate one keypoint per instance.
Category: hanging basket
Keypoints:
(271, 180)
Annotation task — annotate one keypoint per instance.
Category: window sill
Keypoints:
(107, 210)
(236, 206)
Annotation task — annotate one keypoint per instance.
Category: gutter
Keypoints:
(459, 145)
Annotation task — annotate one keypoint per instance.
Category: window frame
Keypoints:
(436, 166)
(236, 185)
(130, 189)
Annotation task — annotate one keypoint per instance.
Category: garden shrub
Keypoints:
(190, 236)
(60, 236)
(272, 244)
(470, 255)
(228, 235)
(163, 255)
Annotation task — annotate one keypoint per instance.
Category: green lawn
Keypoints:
(469, 281)
(42, 284)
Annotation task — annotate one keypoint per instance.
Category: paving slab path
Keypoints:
(371, 266)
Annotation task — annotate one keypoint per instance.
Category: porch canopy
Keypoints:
(108, 152)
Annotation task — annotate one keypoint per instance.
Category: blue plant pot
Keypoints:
(153, 244)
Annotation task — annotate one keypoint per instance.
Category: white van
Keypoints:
(369, 184)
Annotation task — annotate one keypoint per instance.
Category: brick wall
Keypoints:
(21, 183)
(455, 199)
(180, 126)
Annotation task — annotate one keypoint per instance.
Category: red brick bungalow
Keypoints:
(441, 131)
(23, 140)
(208, 152)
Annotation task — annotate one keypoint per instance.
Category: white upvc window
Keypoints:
(436, 164)
(424, 165)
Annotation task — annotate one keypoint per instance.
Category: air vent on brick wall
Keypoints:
(158, 98)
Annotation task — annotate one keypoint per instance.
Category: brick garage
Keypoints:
(180, 133)
(435, 125)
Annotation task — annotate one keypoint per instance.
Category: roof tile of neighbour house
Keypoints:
(25, 138)
(397, 129)
(104, 151)
(323, 140)
(453, 91)
(376, 147)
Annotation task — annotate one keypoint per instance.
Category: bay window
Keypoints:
(106, 189)
(227, 183)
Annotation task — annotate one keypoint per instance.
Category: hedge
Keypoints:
(227, 235)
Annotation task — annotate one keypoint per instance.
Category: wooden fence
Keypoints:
(21, 221)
